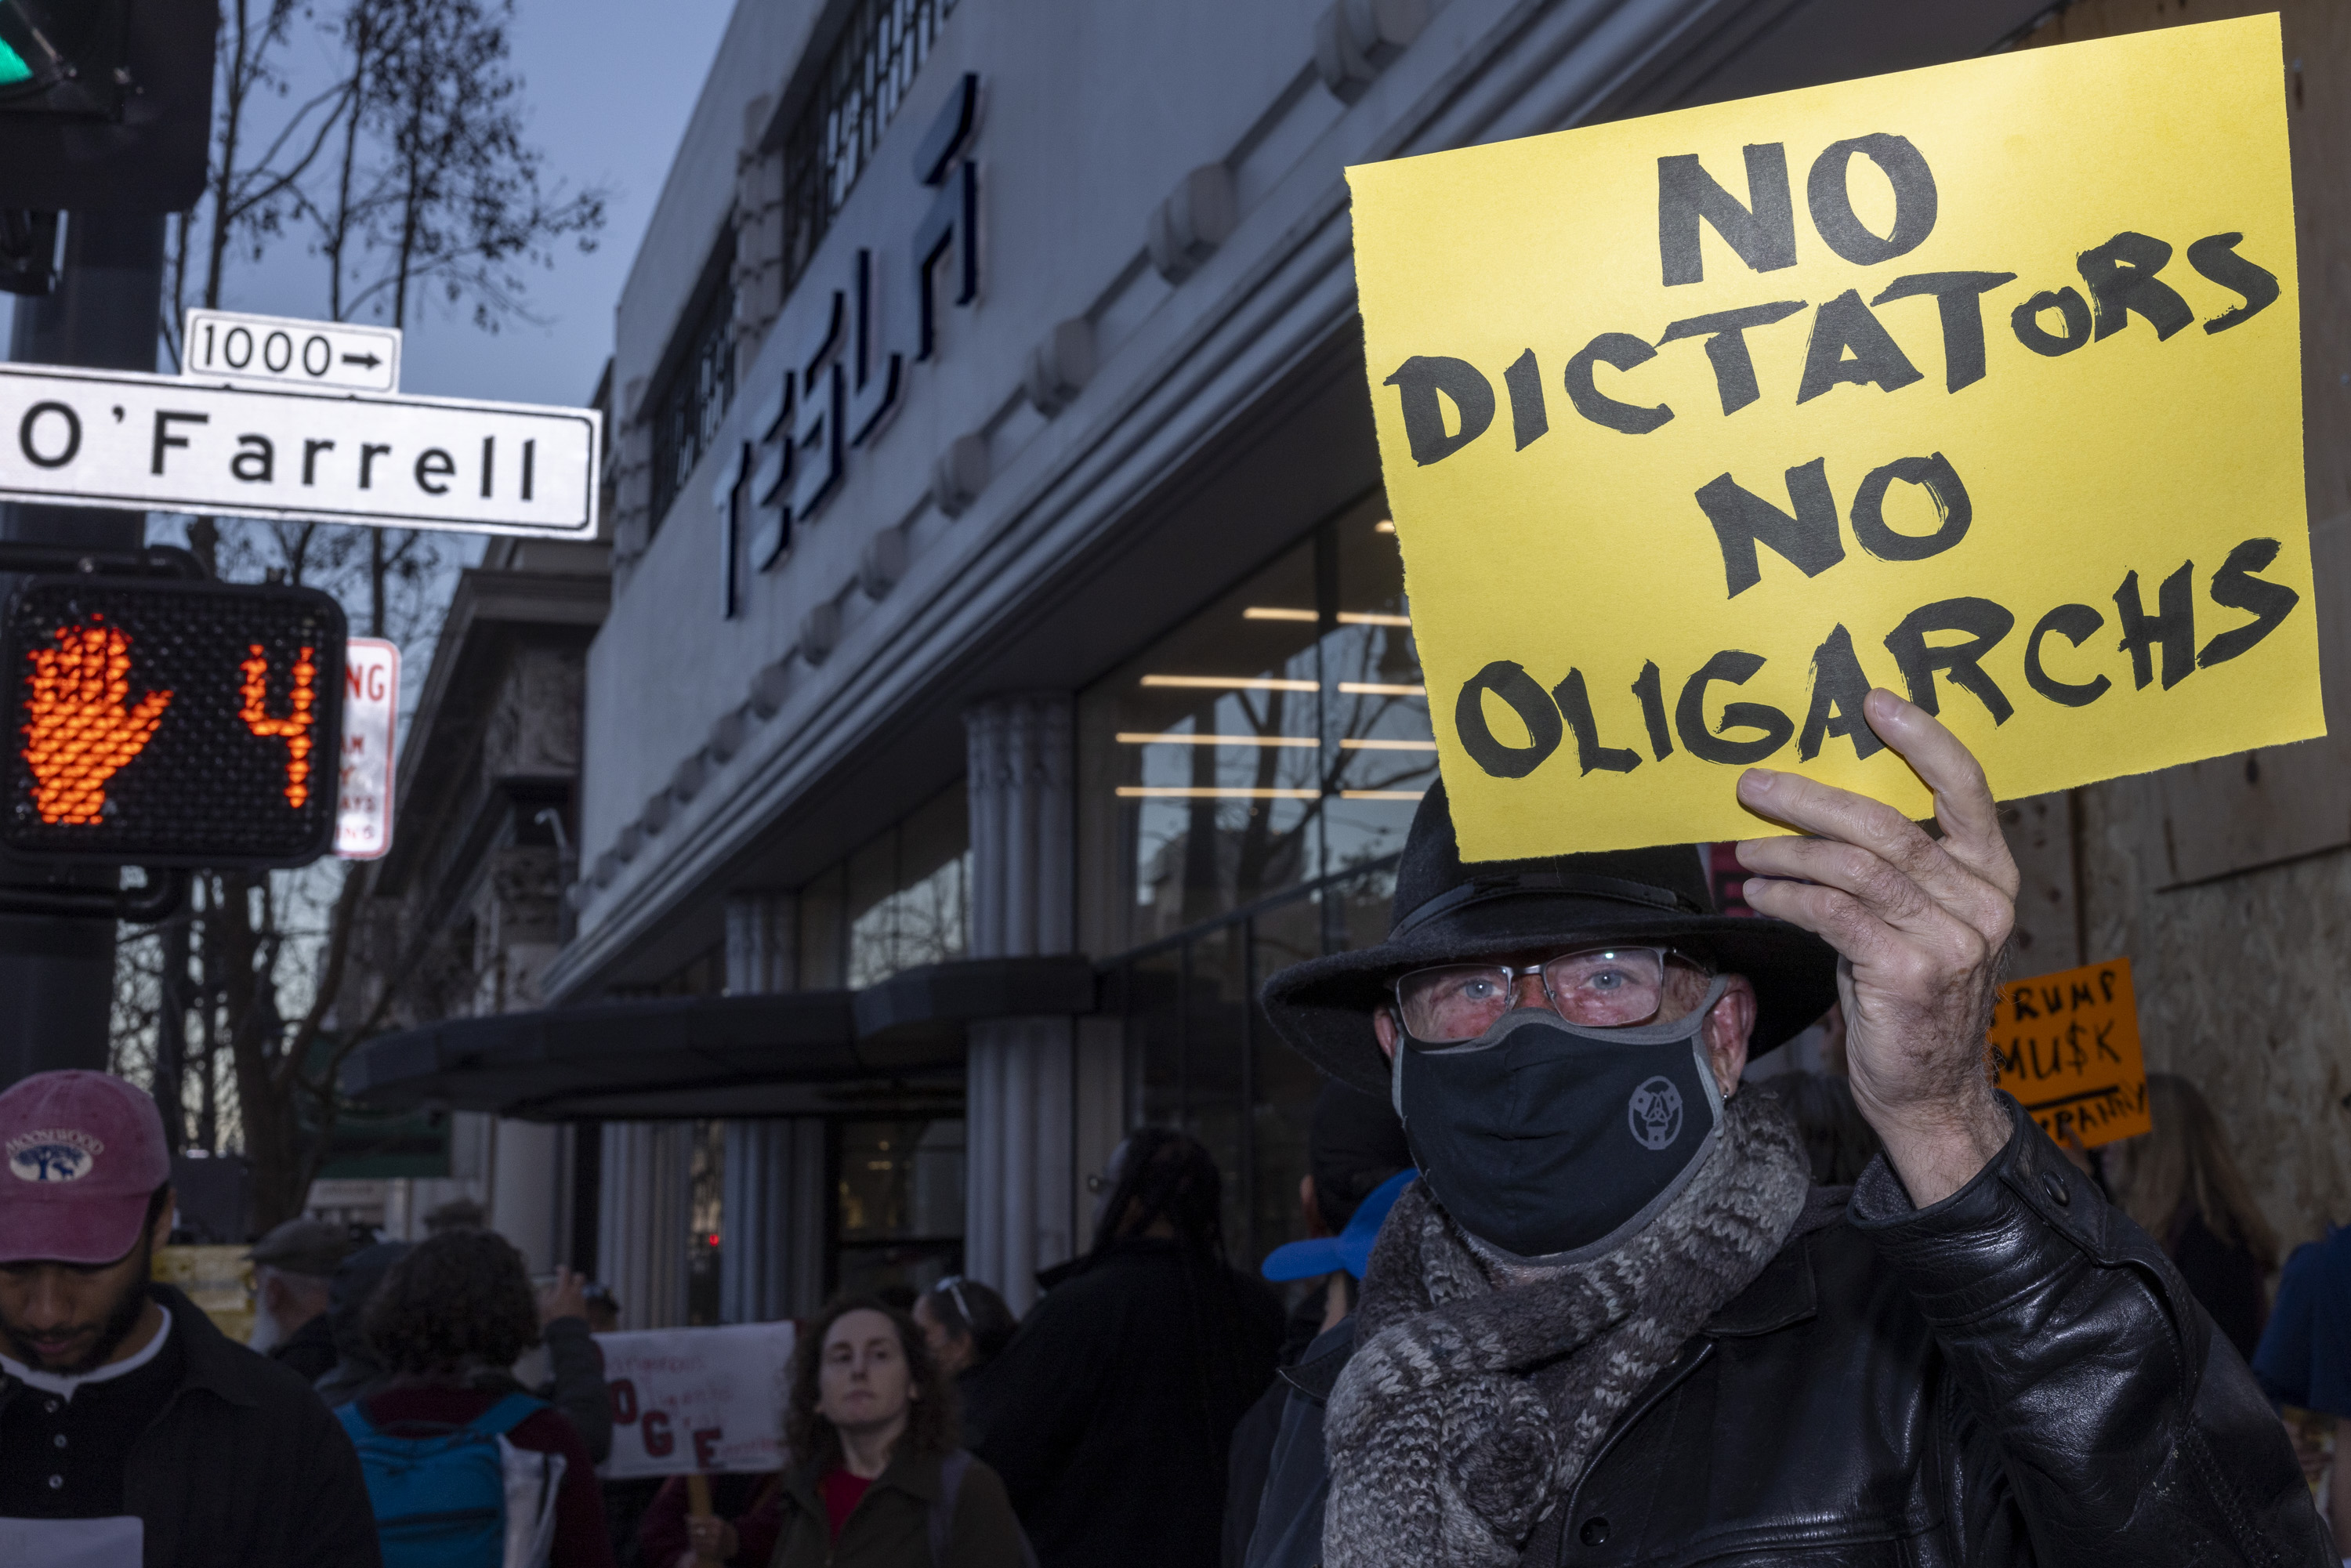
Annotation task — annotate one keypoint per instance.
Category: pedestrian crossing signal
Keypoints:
(171, 723)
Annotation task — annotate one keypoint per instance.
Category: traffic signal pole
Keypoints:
(58, 971)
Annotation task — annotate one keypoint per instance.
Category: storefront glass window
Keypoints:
(909, 892)
(1278, 737)
(1202, 1056)
(705, 1240)
(1249, 783)
(900, 900)
(901, 1203)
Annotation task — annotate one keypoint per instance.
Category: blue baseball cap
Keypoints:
(1349, 1249)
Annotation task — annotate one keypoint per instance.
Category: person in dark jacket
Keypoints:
(576, 1365)
(1276, 1512)
(293, 1275)
(2304, 1356)
(1109, 1414)
(1614, 1321)
(131, 1430)
(355, 1370)
(1354, 1152)
(877, 1478)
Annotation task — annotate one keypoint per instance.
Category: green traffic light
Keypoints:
(13, 68)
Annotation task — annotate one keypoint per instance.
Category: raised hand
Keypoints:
(1920, 926)
(565, 1296)
(78, 733)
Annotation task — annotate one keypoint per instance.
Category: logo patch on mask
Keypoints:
(1655, 1113)
(53, 1153)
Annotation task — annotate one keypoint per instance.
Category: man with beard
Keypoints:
(133, 1434)
(1615, 1323)
(293, 1278)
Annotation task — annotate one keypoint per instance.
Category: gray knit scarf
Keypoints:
(1470, 1409)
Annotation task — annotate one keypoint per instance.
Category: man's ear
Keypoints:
(1383, 1024)
(1726, 1032)
(159, 1234)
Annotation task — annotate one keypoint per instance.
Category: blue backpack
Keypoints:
(440, 1499)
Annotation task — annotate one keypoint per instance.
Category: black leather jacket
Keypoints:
(2014, 1375)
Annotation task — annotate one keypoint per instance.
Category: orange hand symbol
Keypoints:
(78, 732)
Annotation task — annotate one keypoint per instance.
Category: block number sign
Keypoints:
(331, 356)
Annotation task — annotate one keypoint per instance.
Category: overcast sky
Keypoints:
(609, 87)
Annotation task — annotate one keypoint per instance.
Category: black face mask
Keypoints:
(1544, 1138)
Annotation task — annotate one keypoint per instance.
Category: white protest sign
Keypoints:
(696, 1399)
(371, 719)
(334, 356)
(140, 443)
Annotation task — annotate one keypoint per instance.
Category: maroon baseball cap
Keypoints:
(85, 1155)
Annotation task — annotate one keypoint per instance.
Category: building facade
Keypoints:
(1000, 572)
(466, 911)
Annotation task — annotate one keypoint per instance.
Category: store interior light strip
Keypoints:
(1152, 738)
(1210, 792)
(1346, 617)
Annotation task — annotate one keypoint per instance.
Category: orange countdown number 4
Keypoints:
(78, 732)
(295, 728)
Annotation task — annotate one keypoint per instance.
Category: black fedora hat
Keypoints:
(1446, 912)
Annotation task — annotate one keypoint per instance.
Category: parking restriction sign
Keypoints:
(370, 720)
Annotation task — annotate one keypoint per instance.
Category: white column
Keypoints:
(772, 1201)
(762, 943)
(1020, 1078)
(772, 1262)
(528, 1188)
(646, 1189)
(987, 783)
(983, 1177)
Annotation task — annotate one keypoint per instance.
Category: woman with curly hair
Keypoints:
(876, 1478)
(448, 1322)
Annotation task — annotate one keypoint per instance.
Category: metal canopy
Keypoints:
(896, 1047)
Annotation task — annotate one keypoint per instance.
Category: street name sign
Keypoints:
(371, 719)
(278, 350)
(118, 439)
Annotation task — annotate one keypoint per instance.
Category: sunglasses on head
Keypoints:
(953, 1286)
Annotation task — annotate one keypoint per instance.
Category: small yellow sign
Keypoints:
(218, 1280)
(1979, 383)
(2066, 1045)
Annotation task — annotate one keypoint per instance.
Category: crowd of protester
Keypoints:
(1157, 1406)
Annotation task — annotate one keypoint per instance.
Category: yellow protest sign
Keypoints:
(1979, 383)
(2066, 1045)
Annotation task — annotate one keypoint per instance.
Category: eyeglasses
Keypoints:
(1599, 988)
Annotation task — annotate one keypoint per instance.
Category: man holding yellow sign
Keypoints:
(1613, 1320)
